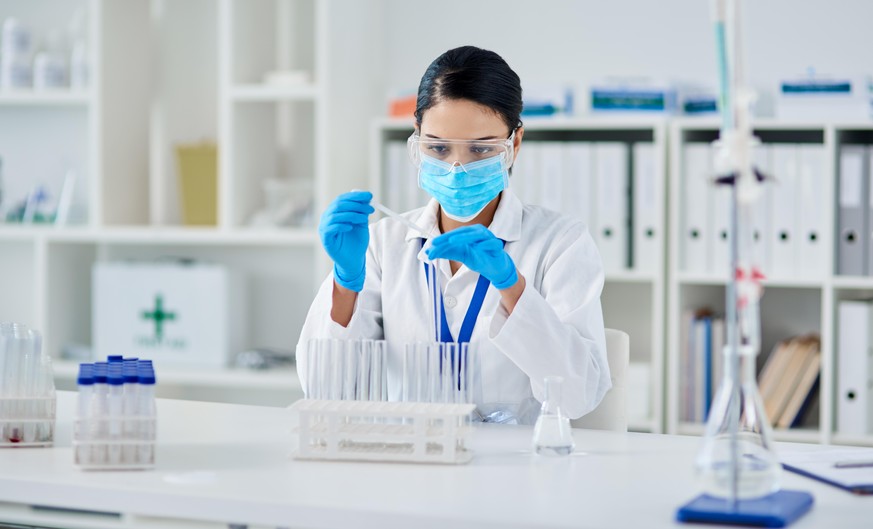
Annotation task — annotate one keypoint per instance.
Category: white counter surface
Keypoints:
(221, 463)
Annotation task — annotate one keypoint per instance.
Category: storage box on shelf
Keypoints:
(610, 172)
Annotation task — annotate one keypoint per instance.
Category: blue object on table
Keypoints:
(779, 509)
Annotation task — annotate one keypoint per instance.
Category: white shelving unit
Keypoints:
(120, 137)
(633, 300)
(790, 305)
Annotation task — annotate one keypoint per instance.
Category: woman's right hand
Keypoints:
(345, 235)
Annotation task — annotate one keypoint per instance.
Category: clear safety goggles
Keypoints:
(461, 152)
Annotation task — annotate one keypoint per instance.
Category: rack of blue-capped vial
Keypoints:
(27, 388)
(115, 418)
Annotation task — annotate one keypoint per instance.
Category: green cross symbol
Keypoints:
(159, 316)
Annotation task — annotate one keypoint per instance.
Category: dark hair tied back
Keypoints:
(476, 75)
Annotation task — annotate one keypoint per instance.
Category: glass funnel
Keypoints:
(737, 459)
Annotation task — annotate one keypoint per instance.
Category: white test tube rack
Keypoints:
(98, 440)
(27, 421)
(411, 432)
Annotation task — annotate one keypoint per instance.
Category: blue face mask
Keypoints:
(463, 191)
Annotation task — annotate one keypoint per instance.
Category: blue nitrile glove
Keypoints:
(479, 250)
(345, 236)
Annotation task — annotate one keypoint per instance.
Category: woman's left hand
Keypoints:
(477, 248)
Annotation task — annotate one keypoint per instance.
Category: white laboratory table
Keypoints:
(221, 464)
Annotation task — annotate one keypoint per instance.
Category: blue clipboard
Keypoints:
(862, 489)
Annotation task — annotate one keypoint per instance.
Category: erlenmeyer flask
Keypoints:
(741, 410)
(552, 434)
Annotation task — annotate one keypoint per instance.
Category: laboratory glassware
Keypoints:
(552, 433)
(738, 423)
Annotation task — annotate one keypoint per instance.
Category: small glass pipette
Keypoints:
(401, 218)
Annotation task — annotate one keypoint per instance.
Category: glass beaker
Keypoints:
(552, 434)
(738, 443)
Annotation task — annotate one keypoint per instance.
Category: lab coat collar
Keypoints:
(506, 224)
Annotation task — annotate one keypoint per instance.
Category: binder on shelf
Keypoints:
(529, 183)
(612, 226)
(869, 232)
(578, 194)
(784, 217)
(695, 221)
(648, 199)
(761, 213)
(521, 173)
(813, 258)
(721, 229)
(855, 368)
(851, 246)
(550, 180)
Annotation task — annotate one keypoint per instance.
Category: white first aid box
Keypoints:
(173, 312)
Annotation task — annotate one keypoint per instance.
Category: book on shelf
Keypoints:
(789, 381)
(701, 361)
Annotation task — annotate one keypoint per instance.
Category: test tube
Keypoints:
(115, 405)
(321, 367)
(32, 382)
(409, 388)
(379, 380)
(85, 381)
(5, 352)
(365, 368)
(99, 413)
(130, 411)
(146, 396)
(434, 372)
(18, 376)
(336, 369)
(349, 356)
(45, 406)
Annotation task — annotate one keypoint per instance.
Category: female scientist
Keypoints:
(526, 280)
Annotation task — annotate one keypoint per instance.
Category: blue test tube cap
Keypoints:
(86, 375)
(100, 376)
(146, 377)
(115, 378)
(114, 358)
(130, 375)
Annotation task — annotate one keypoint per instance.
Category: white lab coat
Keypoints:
(556, 328)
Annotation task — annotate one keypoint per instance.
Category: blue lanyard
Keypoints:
(472, 311)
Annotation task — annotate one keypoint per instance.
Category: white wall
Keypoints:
(380, 46)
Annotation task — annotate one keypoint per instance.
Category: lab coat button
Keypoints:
(451, 301)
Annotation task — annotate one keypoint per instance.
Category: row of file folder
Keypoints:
(787, 220)
(855, 211)
(614, 187)
(855, 367)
